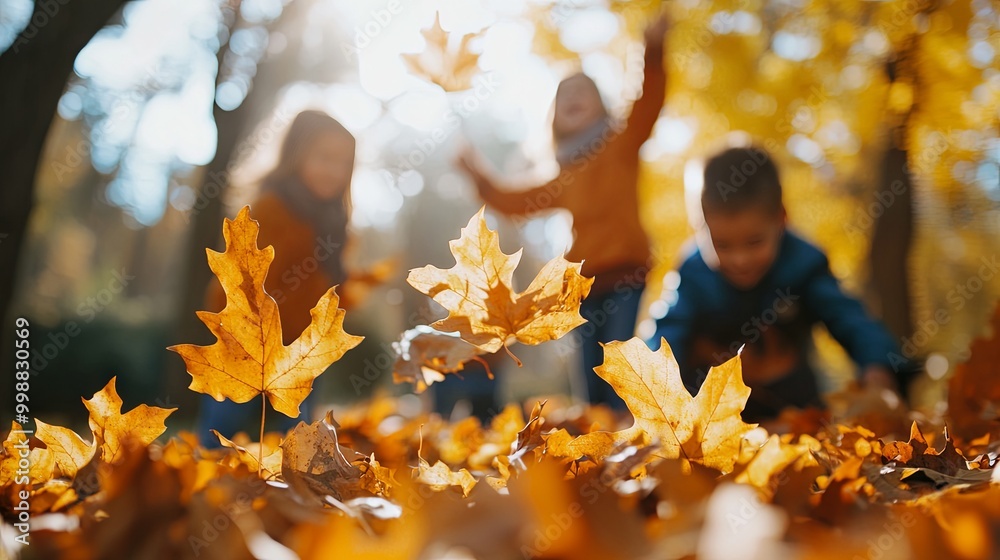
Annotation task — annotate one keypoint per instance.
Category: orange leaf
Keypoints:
(450, 66)
(264, 457)
(70, 451)
(705, 429)
(248, 357)
(113, 430)
(483, 307)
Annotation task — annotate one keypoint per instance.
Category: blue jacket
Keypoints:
(796, 293)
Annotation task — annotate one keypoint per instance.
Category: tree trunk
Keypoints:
(33, 74)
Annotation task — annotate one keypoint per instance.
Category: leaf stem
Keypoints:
(511, 354)
(260, 448)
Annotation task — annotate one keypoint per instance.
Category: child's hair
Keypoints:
(737, 178)
(305, 128)
(557, 135)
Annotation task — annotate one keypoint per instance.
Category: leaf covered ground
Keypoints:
(678, 477)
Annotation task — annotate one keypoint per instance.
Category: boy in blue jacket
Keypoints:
(752, 282)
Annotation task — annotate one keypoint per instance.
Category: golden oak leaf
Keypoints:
(705, 429)
(450, 66)
(248, 357)
(482, 305)
(113, 430)
(70, 451)
(264, 458)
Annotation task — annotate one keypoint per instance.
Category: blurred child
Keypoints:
(599, 170)
(303, 211)
(751, 281)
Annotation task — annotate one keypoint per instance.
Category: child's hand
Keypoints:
(880, 381)
(878, 377)
(656, 31)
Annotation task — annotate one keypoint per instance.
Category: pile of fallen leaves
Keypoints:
(679, 477)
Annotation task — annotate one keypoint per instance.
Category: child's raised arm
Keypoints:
(509, 201)
(646, 109)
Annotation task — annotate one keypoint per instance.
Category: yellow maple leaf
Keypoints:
(705, 429)
(41, 463)
(113, 430)
(483, 307)
(450, 66)
(70, 451)
(248, 357)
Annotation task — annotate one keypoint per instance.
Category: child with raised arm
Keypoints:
(753, 282)
(597, 184)
(303, 211)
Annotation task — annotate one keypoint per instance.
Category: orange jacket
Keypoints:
(600, 190)
(295, 279)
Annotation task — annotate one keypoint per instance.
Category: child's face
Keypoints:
(746, 243)
(328, 165)
(578, 106)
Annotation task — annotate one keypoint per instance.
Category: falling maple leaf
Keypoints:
(451, 66)
(248, 357)
(482, 304)
(705, 429)
(424, 356)
(113, 430)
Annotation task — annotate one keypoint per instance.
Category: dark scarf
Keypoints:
(328, 219)
(580, 144)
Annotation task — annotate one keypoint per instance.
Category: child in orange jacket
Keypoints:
(598, 180)
(303, 211)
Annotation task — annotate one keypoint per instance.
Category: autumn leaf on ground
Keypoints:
(482, 305)
(424, 356)
(70, 451)
(263, 457)
(705, 429)
(974, 392)
(113, 430)
(439, 477)
(248, 357)
(451, 66)
(914, 461)
(314, 463)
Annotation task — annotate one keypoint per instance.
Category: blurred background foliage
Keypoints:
(176, 106)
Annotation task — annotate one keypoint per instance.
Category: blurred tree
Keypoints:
(33, 71)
